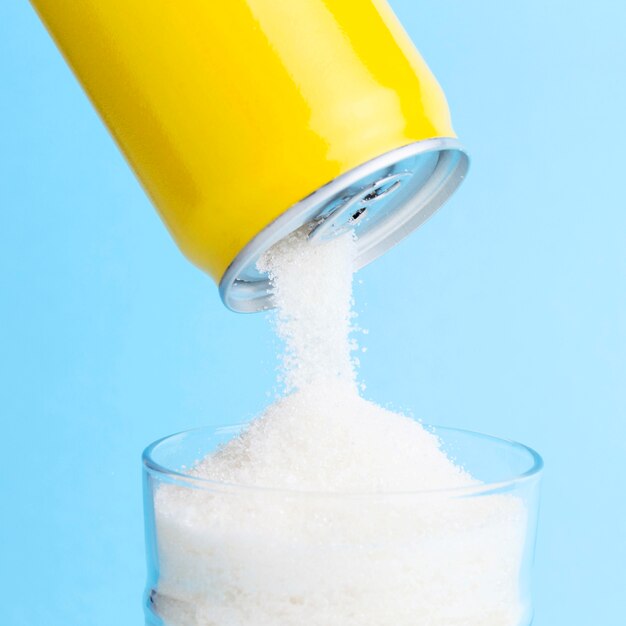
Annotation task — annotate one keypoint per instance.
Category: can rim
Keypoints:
(448, 172)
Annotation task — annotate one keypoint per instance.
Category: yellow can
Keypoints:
(247, 119)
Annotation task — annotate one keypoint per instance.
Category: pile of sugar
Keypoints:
(300, 544)
(322, 436)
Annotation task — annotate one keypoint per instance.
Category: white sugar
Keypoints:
(329, 439)
(323, 436)
(312, 290)
(313, 550)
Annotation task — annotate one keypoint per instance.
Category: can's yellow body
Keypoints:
(231, 111)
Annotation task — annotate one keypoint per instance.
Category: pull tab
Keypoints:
(356, 209)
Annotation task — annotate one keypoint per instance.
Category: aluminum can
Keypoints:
(247, 119)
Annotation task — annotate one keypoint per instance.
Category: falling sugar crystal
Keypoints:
(317, 515)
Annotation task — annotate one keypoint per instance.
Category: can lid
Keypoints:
(382, 201)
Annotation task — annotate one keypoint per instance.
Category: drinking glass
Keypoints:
(222, 554)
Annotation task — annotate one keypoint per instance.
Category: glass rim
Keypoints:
(481, 488)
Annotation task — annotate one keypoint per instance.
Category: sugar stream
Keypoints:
(313, 550)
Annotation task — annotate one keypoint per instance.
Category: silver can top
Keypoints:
(382, 201)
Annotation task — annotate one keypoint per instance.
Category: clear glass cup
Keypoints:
(230, 555)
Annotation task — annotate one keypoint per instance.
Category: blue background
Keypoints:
(505, 313)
